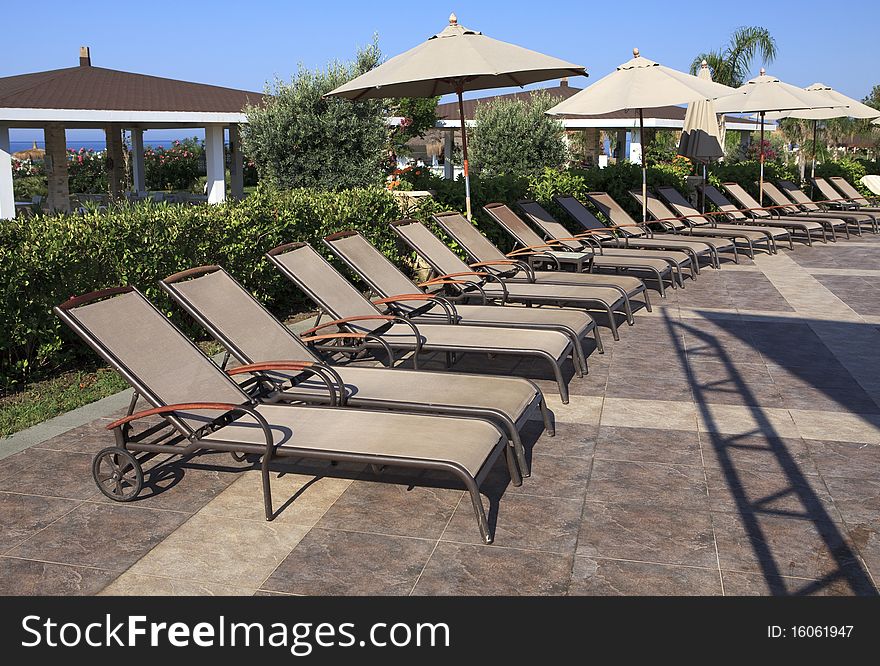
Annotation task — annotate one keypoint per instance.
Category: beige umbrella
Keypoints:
(639, 84)
(702, 136)
(453, 61)
(764, 94)
(844, 107)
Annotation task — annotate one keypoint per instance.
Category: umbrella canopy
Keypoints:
(844, 107)
(701, 137)
(763, 94)
(639, 84)
(453, 61)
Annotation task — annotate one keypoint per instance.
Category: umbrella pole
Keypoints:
(761, 181)
(464, 154)
(813, 168)
(644, 169)
(703, 192)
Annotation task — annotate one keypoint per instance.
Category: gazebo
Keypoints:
(116, 101)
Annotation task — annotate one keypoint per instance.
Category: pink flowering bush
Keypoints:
(25, 168)
(87, 171)
(177, 167)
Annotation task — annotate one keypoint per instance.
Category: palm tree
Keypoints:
(730, 64)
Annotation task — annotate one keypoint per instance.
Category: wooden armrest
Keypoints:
(270, 365)
(219, 406)
(404, 297)
(332, 336)
(529, 249)
(345, 320)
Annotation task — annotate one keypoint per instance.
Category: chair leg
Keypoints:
(512, 468)
(478, 508)
(647, 299)
(545, 416)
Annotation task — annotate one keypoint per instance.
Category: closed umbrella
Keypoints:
(844, 107)
(764, 94)
(701, 136)
(453, 61)
(639, 84)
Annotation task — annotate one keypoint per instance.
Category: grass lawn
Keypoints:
(43, 400)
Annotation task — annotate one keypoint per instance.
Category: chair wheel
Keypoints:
(118, 474)
(238, 457)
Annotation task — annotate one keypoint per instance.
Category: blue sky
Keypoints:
(244, 44)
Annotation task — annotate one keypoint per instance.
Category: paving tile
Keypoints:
(390, 508)
(648, 534)
(769, 422)
(775, 455)
(601, 577)
(662, 414)
(214, 549)
(137, 585)
(658, 386)
(581, 409)
(770, 491)
(845, 459)
(837, 426)
(743, 584)
(462, 569)
(29, 578)
(780, 546)
(680, 447)
(551, 476)
(571, 439)
(521, 521)
(336, 562)
(22, 516)
(106, 536)
(648, 484)
(51, 473)
(88, 438)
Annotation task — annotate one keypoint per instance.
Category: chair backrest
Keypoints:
(721, 202)
(430, 248)
(798, 196)
(233, 316)
(463, 232)
(580, 213)
(373, 266)
(142, 344)
(827, 192)
(614, 212)
(744, 199)
(544, 221)
(658, 210)
(681, 205)
(301, 264)
(778, 198)
(846, 188)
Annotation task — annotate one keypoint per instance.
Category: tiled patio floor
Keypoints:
(729, 443)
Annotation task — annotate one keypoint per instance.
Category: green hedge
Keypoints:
(46, 259)
(852, 170)
(748, 173)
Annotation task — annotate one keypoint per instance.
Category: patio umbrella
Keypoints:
(701, 136)
(453, 61)
(639, 84)
(844, 107)
(764, 94)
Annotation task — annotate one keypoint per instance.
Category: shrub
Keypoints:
(27, 188)
(748, 173)
(299, 138)
(175, 168)
(848, 169)
(86, 171)
(515, 137)
(48, 258)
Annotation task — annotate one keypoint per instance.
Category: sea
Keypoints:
(74, 144)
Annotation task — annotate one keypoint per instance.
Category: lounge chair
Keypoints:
(514, 268)
(805, 228)
(210, 412)
(762, 213)
(846, 189)
(355, 314)
(784, 205)
(448, 265)
(819, 208)
(609, 237)
(579, 248)
(671, 223)
(697, 220)
(640, 235)
(252, 335)
(414, 302)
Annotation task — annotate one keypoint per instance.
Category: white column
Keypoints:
(448, 150)
(138, 180)
(635, 147)
(214, 163)
(236, 163)
(7, 196)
